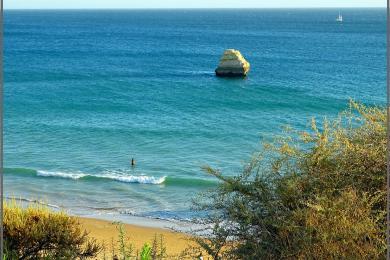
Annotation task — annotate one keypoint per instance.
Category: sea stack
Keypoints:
(232, 64)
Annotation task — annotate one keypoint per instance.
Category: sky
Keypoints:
(80, 4)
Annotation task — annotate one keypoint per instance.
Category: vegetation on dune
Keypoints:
(123, 249)
(317, 194)
(36, 232)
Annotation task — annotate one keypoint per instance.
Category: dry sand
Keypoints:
(105, 231)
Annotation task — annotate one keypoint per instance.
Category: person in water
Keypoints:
(132, 162)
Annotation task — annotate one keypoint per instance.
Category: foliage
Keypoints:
(191, 252)
(146, 252)
(35, 232)
(159, 251)
(313, 194)
(126, 250)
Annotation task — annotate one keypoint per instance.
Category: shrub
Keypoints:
(146, 252)
(317, 194)
(35, 232)
(126, 250)
(159, 250)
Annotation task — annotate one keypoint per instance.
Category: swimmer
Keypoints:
(132, 162)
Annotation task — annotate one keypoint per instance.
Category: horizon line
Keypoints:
(199, 8)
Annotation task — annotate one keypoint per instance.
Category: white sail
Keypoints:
(340, 18)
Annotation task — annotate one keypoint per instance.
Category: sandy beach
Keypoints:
(106, 232)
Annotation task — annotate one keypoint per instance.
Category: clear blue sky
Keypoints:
(59, 4)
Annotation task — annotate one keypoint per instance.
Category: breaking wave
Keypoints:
(142, 179)
(113, 175)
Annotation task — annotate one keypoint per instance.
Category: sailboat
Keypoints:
(340, 18)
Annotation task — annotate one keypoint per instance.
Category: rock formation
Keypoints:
(232, 64)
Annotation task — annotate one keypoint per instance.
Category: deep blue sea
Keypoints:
(86, 91)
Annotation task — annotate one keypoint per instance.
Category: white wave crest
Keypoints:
(111, 175)
(67, 175)
(142, 179)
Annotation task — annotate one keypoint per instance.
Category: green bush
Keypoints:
(146, 252)
(123, 249)
(35, 232)
(316, 194)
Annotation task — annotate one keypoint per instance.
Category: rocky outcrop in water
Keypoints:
(232, 64)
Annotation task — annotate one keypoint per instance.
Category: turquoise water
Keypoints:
(86, 91)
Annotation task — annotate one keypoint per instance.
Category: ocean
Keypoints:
(86, 90)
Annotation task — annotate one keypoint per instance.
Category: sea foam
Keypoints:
(122, 177)
(58, 174)
(143, 179)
